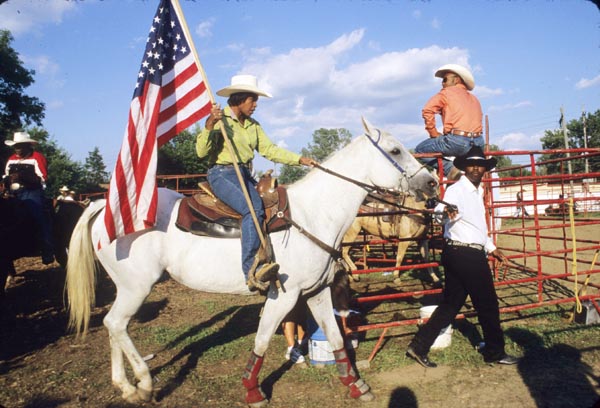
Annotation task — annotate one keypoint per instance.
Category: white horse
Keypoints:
(322, 204)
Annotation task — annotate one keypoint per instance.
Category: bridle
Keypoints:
(371, 189)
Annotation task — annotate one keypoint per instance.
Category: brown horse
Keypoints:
(413, 225)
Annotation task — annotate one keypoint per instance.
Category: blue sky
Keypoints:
(327, 63)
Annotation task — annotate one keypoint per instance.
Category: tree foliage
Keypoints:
(17, 110)
(178, 156)
(505, 162)
(95, 174)
(554, 139)
(324, 143)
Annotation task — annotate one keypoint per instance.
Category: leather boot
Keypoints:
(262, 271)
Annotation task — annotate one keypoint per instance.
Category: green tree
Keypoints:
(178, 156)
(94, 171)
(17, 110)
(61, 169)
(324, 143)
(554, 139)
(505, 162)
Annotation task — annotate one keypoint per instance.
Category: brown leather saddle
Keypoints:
(204, 214)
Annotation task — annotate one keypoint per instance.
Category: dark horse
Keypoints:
(18, 232)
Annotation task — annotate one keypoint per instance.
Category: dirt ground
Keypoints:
(199, 344)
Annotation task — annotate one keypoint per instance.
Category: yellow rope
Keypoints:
(578, 306)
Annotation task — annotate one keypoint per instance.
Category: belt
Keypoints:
(457, 132)
(453, 243)
(246, 165)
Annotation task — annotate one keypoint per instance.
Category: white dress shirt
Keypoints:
(469, 226)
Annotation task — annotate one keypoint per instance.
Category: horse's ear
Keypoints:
(367, 125)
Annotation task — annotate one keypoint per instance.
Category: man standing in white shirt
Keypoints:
(466, 268)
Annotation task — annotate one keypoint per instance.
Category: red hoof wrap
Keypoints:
(250, 380)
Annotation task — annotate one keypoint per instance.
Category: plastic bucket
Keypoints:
(319, 349)
(444, 339)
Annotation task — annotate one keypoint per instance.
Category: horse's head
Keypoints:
(399, 169)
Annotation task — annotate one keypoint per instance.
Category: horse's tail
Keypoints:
(81, 272)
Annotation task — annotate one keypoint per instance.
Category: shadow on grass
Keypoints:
(241, 321)
(555, 376)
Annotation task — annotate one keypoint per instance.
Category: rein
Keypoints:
(370, 189)
(336, 254)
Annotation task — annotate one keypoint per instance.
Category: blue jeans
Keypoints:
(448, 145)
(34, 201)
(225, 184)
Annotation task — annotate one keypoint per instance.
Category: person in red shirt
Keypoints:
(461, 116)
(26, 173)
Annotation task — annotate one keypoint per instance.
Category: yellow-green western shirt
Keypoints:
(245, 139)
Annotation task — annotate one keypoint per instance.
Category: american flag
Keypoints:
(170, 95)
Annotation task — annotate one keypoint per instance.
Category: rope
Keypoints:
(578, 306)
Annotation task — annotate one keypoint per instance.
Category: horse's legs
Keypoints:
(350, 236)
(272, 316)
(401, 252)
(321, 308)
(125, 306)
(424, 249)
(10, 273)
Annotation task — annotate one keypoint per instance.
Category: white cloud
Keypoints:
(204, 29)
(509, 106)
(24, 16)
(55, 104)
(484, 92)
(436, 24)
(45, 68)
(323, 87)
(587, 83)
(519, 141)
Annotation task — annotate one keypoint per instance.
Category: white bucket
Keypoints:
(319, 349)
(445, 337)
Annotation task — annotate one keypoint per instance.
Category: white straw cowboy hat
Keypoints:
(64, 188)
(243, 83)
(20, 137)
(475, 156)
(459, 70)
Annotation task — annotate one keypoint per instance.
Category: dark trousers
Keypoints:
(466, 273)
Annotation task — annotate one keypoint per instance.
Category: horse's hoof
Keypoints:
(137, 396)
(259, 404)
(367, 397)
(144, 395)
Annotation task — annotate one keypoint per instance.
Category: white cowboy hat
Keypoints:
(459, 70)
(64, 188)
(20, 137)
(243, 83)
